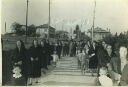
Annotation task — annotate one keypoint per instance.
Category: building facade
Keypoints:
(98, 33)
(42, 31)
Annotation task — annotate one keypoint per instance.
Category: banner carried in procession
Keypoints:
(84, 22)
(70, 22)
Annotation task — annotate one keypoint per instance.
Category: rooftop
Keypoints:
(44, 26)
(97, 29)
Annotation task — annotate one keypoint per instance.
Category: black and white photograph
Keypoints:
(64, 42)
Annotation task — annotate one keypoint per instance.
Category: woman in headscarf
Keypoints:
(34, 62)
(43, 56)
(18, 57)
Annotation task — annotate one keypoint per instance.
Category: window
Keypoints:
(45, 30)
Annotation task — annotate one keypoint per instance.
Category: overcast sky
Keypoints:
(112, 14)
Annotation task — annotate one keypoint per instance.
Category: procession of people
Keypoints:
(92, 57)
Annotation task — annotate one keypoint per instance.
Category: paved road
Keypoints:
(65, 74)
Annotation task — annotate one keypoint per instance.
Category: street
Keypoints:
(65, 74)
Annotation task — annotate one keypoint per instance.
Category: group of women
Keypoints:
(38, 56)
(34, 59)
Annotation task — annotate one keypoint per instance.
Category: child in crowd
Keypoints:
(78, 59)
(103, 80)
(84, 62)
(55, 58)
(17, 79)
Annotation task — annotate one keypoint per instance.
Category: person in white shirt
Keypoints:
(55, 58)
(84, 63)
(78, 59)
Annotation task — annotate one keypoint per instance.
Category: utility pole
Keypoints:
(5, 27)
(62, 32)
(26, 23)
(49, 21)
(93, 21)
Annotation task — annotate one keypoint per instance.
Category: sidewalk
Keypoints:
(65, 74)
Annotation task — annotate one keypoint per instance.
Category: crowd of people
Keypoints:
(91, 57)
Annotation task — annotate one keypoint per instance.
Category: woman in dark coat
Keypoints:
(18, 57)
(55, 44)
(93, 62)
(74, 48)
(34, 62)
(43, 56)
(59, 49)
(102, 56)
(47, 45)
(71, 49)
(64, 48)
(51, 47)
(110, 55)
(67, 48)
(89, 44)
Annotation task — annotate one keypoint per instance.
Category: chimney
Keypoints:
(109, 30)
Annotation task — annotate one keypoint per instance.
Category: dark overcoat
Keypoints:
(34, 66)
(17, 56)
